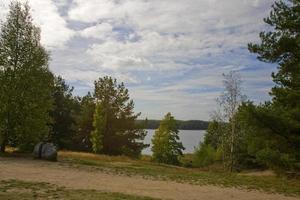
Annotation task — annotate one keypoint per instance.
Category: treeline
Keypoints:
(181, 125)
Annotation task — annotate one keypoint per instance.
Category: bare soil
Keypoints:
(79, 178)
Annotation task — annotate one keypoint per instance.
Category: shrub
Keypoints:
(205, 155)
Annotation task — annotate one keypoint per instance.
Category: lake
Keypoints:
(189, 138)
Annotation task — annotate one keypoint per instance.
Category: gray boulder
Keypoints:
(46, 151)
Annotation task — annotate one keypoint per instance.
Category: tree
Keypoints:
(26, 81)
(223, 133)
(214, 147)
(259, 146)
(65, 109)
(83, 123)
(281, 45)
(99, 125)
(230, 101)
(214, 134)
(117, 126)
(166, 146)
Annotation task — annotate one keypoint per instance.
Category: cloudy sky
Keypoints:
(170, 53)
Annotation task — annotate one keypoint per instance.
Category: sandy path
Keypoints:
(32, 170)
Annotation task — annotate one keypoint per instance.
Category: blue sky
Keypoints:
(170, 54)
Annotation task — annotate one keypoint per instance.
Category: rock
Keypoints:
(45, 151)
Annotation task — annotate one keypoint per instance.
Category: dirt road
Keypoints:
(75, 178)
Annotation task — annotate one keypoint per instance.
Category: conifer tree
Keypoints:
(281, 45)
(115, 120)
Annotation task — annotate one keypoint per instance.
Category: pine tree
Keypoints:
(121, 134)
(281, 45)
(26, 81)
(166, 146)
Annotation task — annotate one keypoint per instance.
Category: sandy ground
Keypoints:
(75, 178)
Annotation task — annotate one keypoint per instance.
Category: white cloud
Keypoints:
(4, 10)
(169, 15)
(54, 30)
(99, 31)
(152, 50)
(88, 76)
(167, 31)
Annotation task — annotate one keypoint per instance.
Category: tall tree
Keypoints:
(26, 81)
(166, 146)
(117, 125)
(281, 45)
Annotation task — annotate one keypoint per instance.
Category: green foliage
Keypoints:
(280, 118)
(166, 146)
(26, 83)
(64, 114)
(263, 143)
(99, 125)
(274, 158)
(117, 127)
(214, 133)
(211, 150)
(223, 133)
(84, 124)
(205, 155)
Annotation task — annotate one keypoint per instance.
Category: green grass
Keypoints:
(13, 189)
(147, 169)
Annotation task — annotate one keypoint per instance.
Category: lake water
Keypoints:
(189, 138)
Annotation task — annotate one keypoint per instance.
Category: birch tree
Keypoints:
(230, 100)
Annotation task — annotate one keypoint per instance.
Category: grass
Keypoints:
(147, 169)
(13, 189)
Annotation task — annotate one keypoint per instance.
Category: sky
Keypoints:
(170, 54)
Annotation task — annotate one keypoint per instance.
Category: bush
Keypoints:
(205, 155)
(186, 160)
(275, 160)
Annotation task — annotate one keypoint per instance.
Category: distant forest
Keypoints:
(182, 125)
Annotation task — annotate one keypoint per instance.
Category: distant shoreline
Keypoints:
(182, 125)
